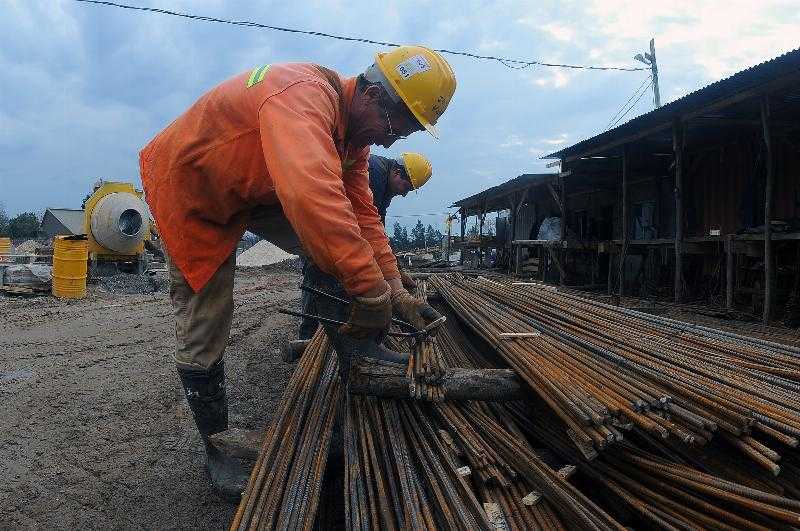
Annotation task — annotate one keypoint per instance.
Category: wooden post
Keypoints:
(729, 263)
(542, 262)
(677, 147)
(625, 215)
(463, 234)
(390, 381)
(480, 238)
(447, 244)
(768, 260)
(562, 251)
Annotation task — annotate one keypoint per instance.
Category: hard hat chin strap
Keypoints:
(374, 75)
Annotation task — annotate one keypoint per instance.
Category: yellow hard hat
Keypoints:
(421, 78)
(418, 168)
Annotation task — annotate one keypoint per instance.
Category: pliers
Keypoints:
(419, 334)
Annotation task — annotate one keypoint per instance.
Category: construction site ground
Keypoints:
(95, 431)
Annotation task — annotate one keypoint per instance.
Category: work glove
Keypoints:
(412, 310)
(409, 283)
(370, 317)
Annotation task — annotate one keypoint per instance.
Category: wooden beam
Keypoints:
(463, 234)
(768, 259)
(562, 192)
(730, 257)
(387, 380)
(625, 218)
(677, 147)
(515, 213)
(554, 255)
(556, 197)
(480, 237)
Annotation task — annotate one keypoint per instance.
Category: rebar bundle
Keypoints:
(604, 370)
(284, 487)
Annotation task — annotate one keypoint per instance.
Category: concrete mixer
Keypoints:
(116, 223)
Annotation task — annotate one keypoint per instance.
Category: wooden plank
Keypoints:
(768, 259)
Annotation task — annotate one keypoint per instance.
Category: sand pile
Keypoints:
(27, 247)
(262, 254)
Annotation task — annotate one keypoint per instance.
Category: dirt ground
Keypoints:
(94, 430)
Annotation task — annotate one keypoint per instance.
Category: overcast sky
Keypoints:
(84, 87)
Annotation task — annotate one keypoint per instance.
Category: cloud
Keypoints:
(557, 141)
(553, 78)
(558, 31)
(719, 36)
(512, 141)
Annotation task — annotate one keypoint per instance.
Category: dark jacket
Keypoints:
(379, 168)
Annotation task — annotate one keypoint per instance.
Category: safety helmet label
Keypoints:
(412, 66)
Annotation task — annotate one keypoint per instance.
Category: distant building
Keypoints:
(61, 222)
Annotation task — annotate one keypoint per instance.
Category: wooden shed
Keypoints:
(698, 200)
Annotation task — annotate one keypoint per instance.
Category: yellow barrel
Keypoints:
(70, 258)
(5, 246)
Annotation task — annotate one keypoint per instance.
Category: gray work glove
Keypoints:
(370, 317)
(412, 310)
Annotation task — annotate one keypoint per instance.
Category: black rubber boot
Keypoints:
(292, 351)
(205, 393)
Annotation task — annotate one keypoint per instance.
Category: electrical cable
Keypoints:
(247, 23)
(630, 108)
(622, 108)
(417, 215)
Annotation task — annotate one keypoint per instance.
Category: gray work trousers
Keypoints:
(203, 319)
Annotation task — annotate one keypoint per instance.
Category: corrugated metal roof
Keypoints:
(71, 219)
(515, 184)
(753, 77)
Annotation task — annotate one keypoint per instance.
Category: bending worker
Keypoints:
(282, 150)
(388, 178)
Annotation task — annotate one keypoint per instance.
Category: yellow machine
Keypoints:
(117, 223)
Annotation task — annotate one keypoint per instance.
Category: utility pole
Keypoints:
(650, 60)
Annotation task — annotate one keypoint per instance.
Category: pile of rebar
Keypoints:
(633, 420)
(604, 370)
(284, 487)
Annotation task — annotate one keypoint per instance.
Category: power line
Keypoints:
(507, 62)
(638, 92)
(417, 215)
(622, 108)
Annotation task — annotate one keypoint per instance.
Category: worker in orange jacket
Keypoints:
(282, 150)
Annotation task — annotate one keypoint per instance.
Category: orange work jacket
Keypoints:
(274, 136)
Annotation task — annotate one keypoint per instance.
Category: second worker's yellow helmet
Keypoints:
(418, 76)
(418, 168)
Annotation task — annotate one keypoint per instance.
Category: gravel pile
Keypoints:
(263, 253)
(27, 247)
(125, 284)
